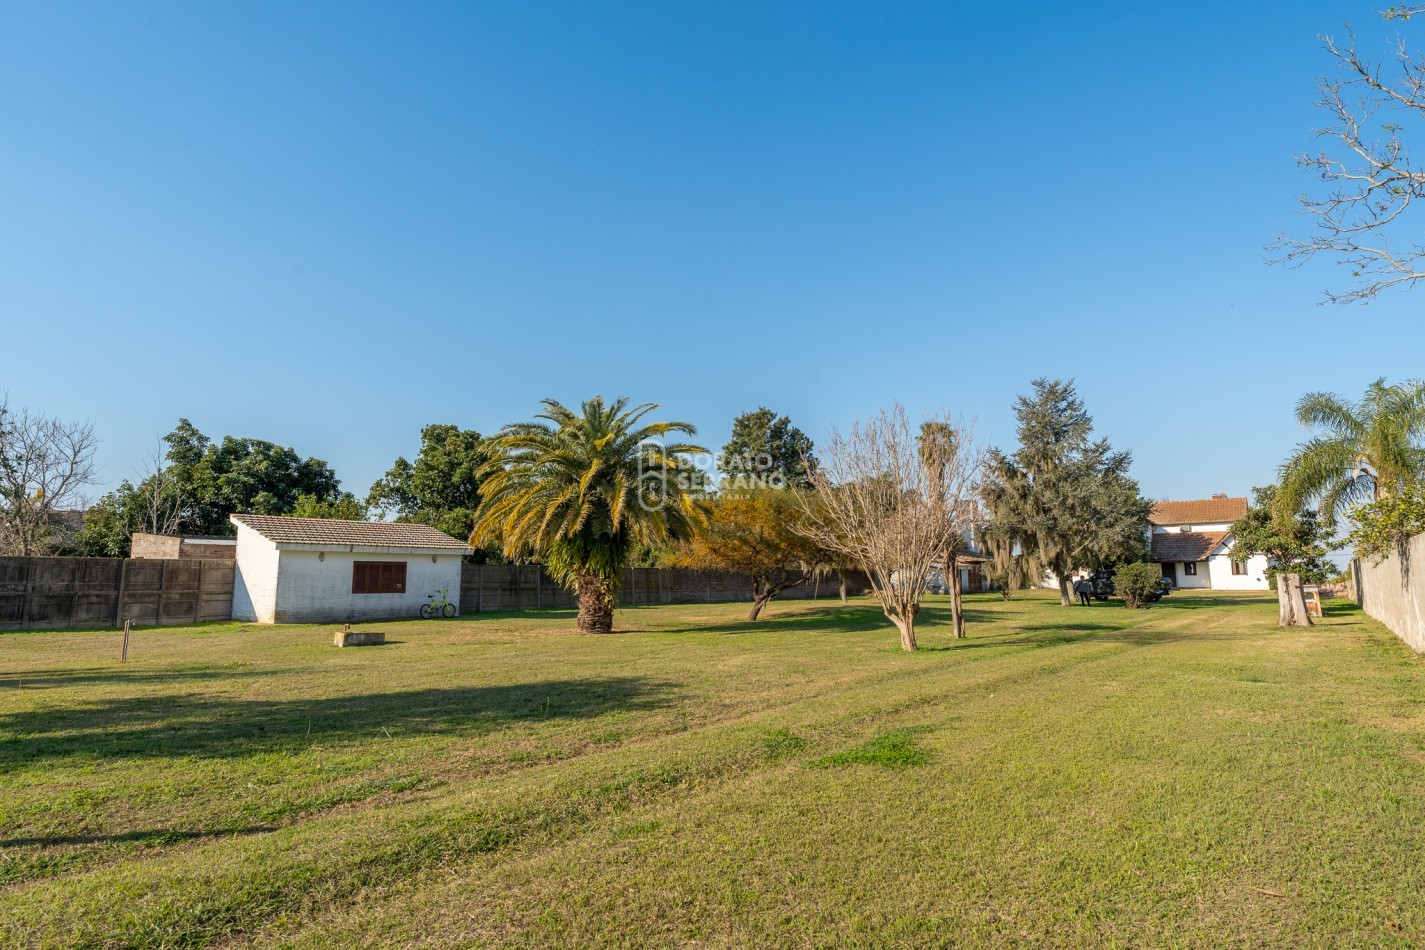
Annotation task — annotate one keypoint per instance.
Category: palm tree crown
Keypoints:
(580, 489)
(1367, 450)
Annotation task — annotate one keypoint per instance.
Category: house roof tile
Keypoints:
(1200, 511)
(1186, 545)
(386, 534)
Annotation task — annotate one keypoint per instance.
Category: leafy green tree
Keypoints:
(239, 474)
(1366, 451)
(441, 488)
(154, 505)
(344, 507)
(1064, 500)
(581, 491)
(1296, 545)
(109, 524)
(765, 446)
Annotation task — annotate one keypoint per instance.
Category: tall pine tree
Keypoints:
(766, 447)
(1064, 500)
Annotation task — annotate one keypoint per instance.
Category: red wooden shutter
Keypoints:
(378, 577)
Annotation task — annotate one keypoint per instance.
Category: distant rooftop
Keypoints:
(330, 531)
(1216, 510)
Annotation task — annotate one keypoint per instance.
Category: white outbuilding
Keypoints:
(314, 570)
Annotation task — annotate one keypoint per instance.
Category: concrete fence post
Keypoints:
(119, 601)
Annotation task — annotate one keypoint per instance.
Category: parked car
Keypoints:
(1101, 586)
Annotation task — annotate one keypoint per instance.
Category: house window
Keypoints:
(1239, 568)
(378, 577)
(1190, 568)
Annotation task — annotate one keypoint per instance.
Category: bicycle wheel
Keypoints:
(447, 611)
(425, 611)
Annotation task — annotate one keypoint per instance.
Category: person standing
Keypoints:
(1081, 587)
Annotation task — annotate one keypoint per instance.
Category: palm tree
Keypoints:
(1367, 451)
(580, 490)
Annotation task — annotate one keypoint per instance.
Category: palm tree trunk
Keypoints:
(596, 604)
(1291, 602)
(956, 604)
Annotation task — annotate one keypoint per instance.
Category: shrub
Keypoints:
(1136, 583)
(1384, 527)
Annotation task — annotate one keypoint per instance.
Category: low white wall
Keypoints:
(1196, 526)
(1383, 595)
(255, 580)
(312, 589)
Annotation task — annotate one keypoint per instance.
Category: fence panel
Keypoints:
(47, 593)
(57, 592)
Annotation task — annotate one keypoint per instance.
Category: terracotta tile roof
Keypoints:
(386, 534)
(1202, 511)
(1186, 545)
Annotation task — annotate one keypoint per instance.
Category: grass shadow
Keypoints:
(94, 676)
(836, 619)
(150, 836)
(203, 725)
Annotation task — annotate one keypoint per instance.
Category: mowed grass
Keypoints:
(1188, 774)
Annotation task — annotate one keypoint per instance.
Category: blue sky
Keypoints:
(329, 224)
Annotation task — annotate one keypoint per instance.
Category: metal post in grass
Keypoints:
(124, 653)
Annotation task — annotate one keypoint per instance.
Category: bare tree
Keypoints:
(45, 465)
(161, 499)
(1370, 177)
(891, 503)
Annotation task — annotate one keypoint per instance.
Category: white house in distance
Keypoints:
(313, 570)
(1192, 542)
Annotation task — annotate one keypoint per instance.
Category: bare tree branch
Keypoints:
(161, 509)
(1370, 178)
(45, 465)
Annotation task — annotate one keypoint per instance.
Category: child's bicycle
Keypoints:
(438, 608)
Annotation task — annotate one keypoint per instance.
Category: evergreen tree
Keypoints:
(766, 446)
(1064, 500)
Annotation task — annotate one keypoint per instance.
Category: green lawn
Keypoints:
(1187, 774)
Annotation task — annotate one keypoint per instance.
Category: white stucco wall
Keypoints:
(1199, 581)
(1050, 580)
(1220, 566)
(255, 580)
(315, 586)
(1396, 599)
